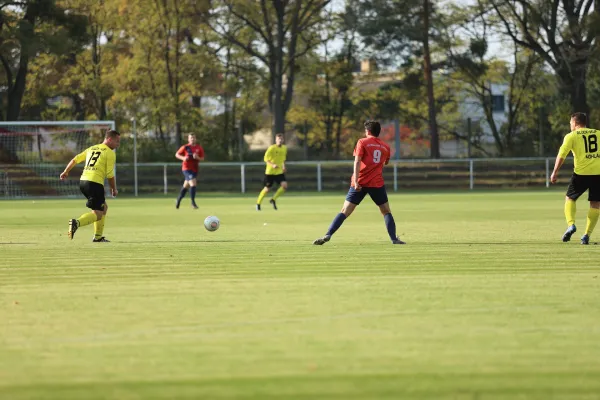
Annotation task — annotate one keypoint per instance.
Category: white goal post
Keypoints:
(33, 153)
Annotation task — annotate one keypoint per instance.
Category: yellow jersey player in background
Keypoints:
(275, 157)
(583, 142)
(99, 165)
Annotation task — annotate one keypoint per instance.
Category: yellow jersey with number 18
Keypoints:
(99, 163)
(584, 145)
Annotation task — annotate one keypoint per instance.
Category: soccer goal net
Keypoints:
(33, 154)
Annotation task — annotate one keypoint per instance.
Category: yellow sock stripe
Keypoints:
(570, 211)
(592, 220)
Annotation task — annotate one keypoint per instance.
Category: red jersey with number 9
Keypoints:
(374, 153)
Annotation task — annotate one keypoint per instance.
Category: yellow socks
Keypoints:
(570, 211)
(86, 219)
(262, 195)
(279, 192)
(592, 219)
(99, 228)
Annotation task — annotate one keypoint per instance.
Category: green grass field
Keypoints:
(485, 301)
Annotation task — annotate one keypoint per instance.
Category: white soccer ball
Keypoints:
(212, 223)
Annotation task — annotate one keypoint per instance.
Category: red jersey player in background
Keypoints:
(190, 155)
(370, 155)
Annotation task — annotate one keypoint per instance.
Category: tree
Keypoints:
(277, 33)
(161, 68)
(477, 72)
(27, 29)
(401, 30)
(562, 33)
(79, 77)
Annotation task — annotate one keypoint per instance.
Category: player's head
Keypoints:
(578, 120)
(112, 139)
(372, 128)
(279, 139)
(191, 138)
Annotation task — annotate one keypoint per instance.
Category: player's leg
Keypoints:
(594, 211)
(184, 189)
(576, 188)
(94, 192)
(353, 199)
(267, 182)
(379, 197)
(282, 188)
(99, 226)
(192, 182)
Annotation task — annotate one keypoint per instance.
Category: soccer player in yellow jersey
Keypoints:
(275, 157)
(99, 165)
(583, 142)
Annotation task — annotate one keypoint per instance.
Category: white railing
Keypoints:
(317, 176)
(529, 171)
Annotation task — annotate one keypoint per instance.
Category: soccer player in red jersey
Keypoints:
(190, 155)
(370, 155)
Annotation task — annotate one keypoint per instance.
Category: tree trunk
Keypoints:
(574, 82)
(433, 128)
(277, 73)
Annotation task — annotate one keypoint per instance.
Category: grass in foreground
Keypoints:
(484, 302)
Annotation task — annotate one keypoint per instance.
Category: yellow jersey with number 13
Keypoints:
(584, 145)
(99, 163)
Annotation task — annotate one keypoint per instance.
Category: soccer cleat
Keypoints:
(194, 206)
(73, 225)
(569, 232)
(322, 241)
(585, 239)
(398, 241)
(102, 239)
(258, 207)
(274, 204)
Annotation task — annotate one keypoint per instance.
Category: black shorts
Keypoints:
(378, 195)
(270, 179)
(580, 183)
(94, 193)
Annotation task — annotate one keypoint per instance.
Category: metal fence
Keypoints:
(321, 176)
(163, 178)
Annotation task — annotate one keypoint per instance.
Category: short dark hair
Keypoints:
(580, 118)
(373, 126)
(279, 135)
(111, 133)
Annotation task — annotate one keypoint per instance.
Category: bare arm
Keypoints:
(357, 161)
(180, 157)
(557, 165)
(113, 186)
(68, 169)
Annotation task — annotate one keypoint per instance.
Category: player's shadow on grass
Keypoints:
(209, 241)
(517, 243)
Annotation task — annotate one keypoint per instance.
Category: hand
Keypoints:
(64, 175)
(553, 177)
(274, 165)
(196, 156)
(113, 192)
(284, 168)
(356, 185)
